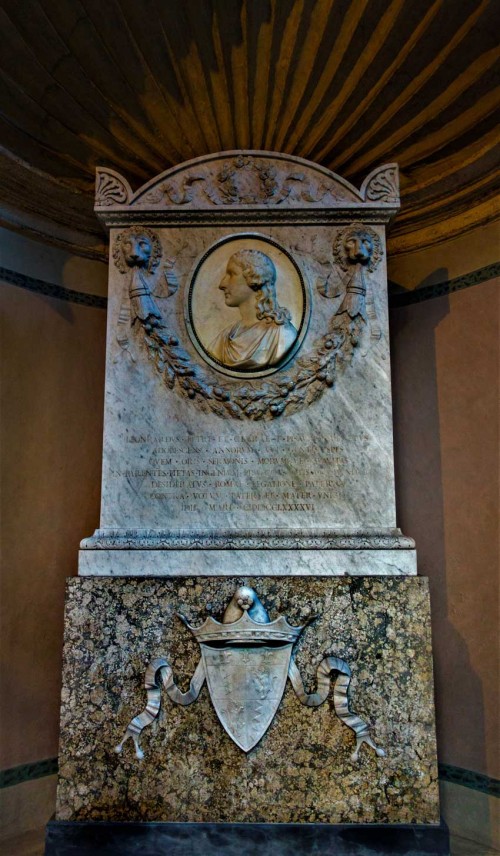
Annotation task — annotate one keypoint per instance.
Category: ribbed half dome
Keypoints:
(351, 84)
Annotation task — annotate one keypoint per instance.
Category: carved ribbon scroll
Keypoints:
(340, 698)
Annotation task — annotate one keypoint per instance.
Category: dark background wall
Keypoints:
(52, 359)
(445, 383)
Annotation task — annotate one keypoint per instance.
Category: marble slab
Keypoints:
(165, 460)
(301, 770)
(296, 562)
(207, 430)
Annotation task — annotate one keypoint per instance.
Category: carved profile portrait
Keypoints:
(264, 332)
(247, 306)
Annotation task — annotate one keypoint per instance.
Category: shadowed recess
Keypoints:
(350, 84)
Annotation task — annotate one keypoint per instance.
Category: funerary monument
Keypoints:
(247, 663)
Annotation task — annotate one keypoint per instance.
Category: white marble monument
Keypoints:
(248, 417)
(248, 488)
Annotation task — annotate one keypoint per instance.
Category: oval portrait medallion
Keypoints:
(247, 306)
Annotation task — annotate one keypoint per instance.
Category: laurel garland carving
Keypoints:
(295, 390)
(301, 385)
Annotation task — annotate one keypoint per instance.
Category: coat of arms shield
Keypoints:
(246, 685)
(246, 667)
(246, 661)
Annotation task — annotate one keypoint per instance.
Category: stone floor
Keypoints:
(32, 844)
(464, 847)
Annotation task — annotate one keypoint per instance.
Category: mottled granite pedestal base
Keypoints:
(301, 770)
(244, 839)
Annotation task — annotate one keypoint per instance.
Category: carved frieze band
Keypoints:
(252, 540)
(247, 180)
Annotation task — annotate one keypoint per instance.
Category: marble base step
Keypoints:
(293, 552)
(64, 838)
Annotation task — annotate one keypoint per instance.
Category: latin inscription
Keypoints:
(199, 477)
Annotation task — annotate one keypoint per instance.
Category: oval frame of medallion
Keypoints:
(292, 292)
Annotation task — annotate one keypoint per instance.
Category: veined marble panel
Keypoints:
(247, 365)
(171, 462)
(157, 563)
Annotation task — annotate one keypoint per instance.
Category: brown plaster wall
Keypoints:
(447, 259)
(52, 357)
(446, 386)
(41, 261)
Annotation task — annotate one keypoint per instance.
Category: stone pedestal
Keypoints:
(248, 442)
(301, 770)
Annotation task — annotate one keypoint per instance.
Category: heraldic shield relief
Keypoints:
(246, 661)
(247, 684)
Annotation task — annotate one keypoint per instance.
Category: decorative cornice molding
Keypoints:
(367, 212)
(137, 539)
(247, 177)
(247, 186)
